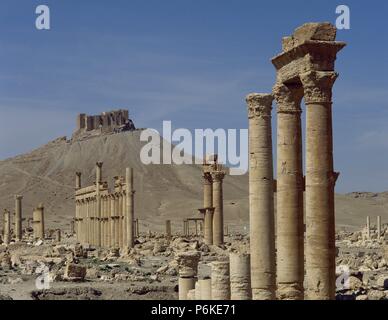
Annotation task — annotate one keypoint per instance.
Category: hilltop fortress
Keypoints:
(110, 121)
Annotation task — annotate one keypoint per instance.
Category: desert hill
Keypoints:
(47, 175)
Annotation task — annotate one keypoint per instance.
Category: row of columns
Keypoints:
(213, 203)
(106, 219)
(281, 273)
(378, 228)
(37, 222)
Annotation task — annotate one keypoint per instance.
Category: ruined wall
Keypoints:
(106, 122)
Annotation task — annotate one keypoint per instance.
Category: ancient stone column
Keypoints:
(130, 207)
(240, 277)
(208, 232)
(168, 229)
(98, 203)
(18, 218)
(218, 203)
(57, 235)
(120, 219)
(112, 222)
(378, 227)
(38, 222)
(72, 226)
(78, 180)
(206, 288)
(207, 190)
(220, 280)
(188, 270)
(261, 198)
(7, 226)
(368, 227)
(117, 221)
(186, 282)
(290, 185)
(320, 183)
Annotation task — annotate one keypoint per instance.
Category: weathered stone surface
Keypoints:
(74, 272)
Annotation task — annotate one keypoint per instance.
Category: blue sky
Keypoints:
(192, 62)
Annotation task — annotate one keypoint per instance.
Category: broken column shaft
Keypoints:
(240, 277)
(38, 222)
(18, 217)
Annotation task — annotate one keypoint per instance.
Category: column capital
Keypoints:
(207, 178)
(218, 176)
(99, 164)
(18, 197)
(259, 105)
(78, 174)
(318, 86)
(288, 98)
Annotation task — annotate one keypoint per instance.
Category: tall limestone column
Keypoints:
(378, 227)
(18, 218)
(218, 203)
(208, 203)
(7, 226)
(112, 221)
(320, 183)
(290, 225)
(368, 227)
(208, 222)
(98, 216)
(130, 207)
(261, 197)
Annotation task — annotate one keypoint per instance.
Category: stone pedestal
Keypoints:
(261, 198)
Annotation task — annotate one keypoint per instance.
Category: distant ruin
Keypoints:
(110, 121)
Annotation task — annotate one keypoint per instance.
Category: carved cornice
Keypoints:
(259, 105)
(318, 86)
(288, 98)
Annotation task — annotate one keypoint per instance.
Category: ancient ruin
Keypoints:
(105, 218)
(110, 121)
